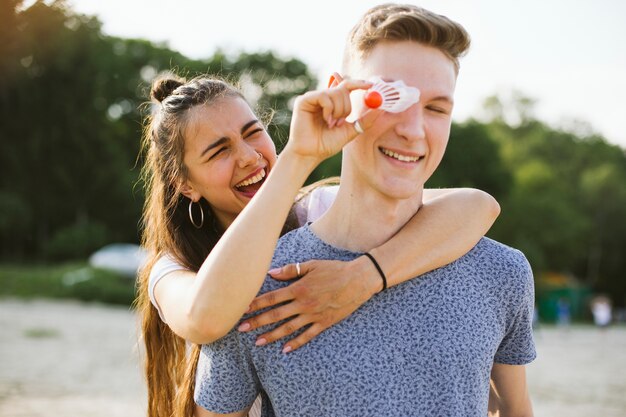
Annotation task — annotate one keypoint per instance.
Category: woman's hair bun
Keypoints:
(164, 86)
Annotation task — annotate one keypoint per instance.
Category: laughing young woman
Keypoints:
(217, 200)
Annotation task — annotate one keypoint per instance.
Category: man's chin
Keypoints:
(401, 192)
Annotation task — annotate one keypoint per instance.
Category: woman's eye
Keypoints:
(219, 151)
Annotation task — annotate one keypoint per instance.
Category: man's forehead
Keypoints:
(420, 66)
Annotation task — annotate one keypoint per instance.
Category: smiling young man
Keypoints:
(430, 346)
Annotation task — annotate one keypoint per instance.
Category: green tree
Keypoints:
(604, 197)
(71, 123)
(567, 204)
(473, 159)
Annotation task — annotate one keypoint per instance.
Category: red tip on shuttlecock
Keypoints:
(373, 99)
(394, 97)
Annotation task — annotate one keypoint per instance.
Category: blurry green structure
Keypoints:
(554, 288)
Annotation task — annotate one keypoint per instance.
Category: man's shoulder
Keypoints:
(503, 263)
(500, 255)
(292, 243)
(303, 244)
(292, 235)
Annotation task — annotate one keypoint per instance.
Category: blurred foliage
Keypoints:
(76, 241)
(71, 119)
(567, 206)
(66, 280)
(70, 105)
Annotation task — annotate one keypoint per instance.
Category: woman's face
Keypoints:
(228, 155)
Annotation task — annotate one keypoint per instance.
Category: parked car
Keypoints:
(123, 258)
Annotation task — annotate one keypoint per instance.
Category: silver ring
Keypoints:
(298, 268)
(358, 127)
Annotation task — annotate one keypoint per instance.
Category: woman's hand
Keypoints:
(318, 125)
(327, 292)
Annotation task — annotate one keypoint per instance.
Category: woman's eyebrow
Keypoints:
(247, 125)
(215, 144)
(224, 139)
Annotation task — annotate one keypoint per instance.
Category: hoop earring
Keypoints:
(197, 226)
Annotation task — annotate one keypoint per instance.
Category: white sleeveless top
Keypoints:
(308, 209)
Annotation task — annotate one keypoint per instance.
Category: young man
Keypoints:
(428, 346)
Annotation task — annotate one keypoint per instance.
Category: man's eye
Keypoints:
(438, 110)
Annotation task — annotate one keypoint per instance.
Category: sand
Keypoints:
(68, 359)
(65, 358)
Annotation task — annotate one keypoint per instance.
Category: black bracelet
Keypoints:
(379, 269)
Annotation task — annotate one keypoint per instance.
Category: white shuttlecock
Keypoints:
(393, 97)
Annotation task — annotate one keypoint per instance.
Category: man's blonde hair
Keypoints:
(405, 22)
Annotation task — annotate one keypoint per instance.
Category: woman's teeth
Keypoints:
(403, 158)
(258, 177)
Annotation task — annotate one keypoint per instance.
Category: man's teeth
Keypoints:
(258, 177)
(403, 158)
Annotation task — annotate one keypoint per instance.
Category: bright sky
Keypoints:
(570, 55)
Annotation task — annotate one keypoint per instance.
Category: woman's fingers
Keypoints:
(284, 273)
(271, 316)
(289, 271)
(339, 96)
(338, 77)
(347, 104)
(335, 101)
(341, 100)
(342, 106)
(271, 298)
(324, 296)
(306, 336)
(338, 105)
(352, 85)
(326, 103)
(283, 330)
(366, 120)
(334, 80)
(342, 93)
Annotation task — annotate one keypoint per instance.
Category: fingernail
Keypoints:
(331, 81)
(274, 271)
(243, 327)
(287, 349)
(260, 342)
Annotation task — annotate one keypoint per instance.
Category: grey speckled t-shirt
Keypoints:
(422, 348)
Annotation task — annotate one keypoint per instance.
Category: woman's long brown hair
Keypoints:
(170, 363)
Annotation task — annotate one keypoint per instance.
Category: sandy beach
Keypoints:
(70, 359)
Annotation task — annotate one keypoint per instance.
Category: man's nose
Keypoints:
(411, 124)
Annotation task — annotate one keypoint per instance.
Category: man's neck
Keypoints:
(362, 218)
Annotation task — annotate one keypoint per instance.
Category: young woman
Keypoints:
(218, 198)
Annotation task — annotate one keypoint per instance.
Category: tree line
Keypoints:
(72, 103)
